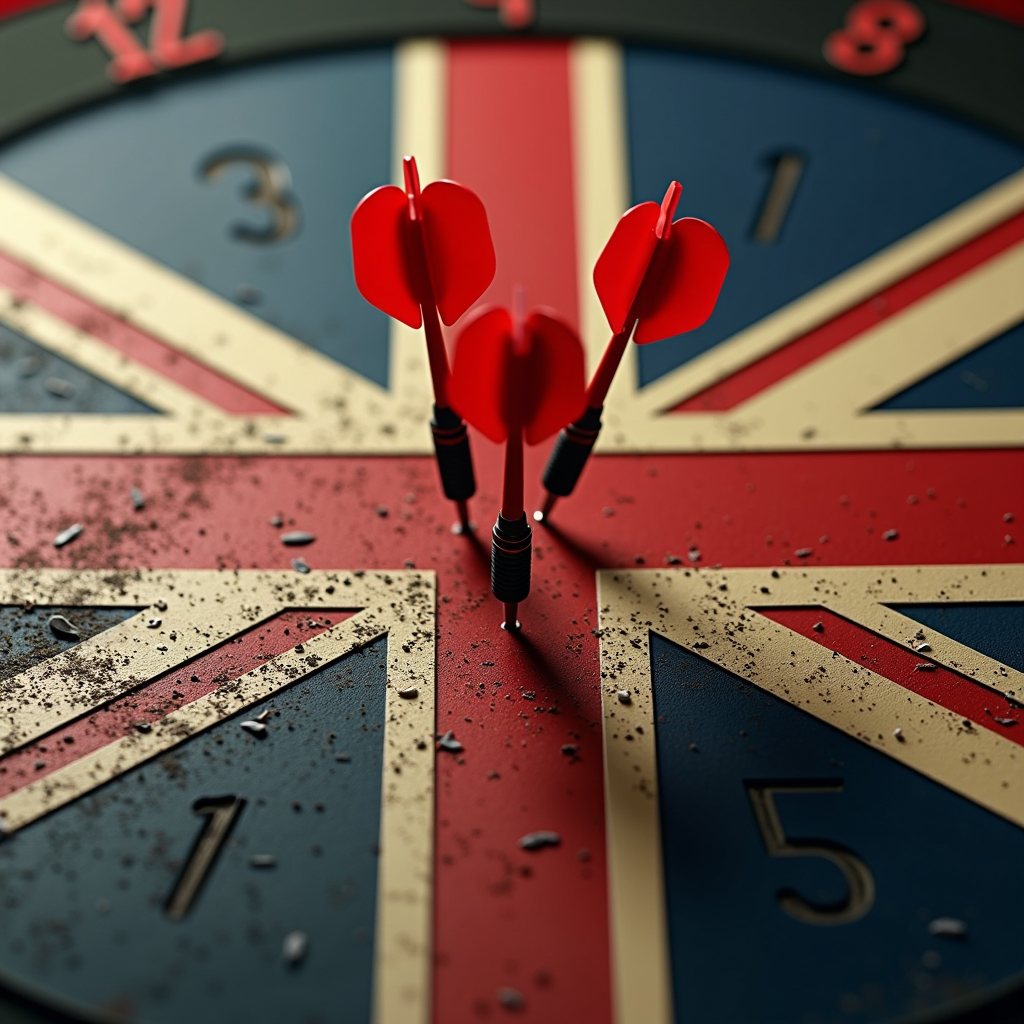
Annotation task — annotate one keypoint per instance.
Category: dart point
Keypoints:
(545, 510)
(511, 623)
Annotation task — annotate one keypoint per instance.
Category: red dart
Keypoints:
(417, 254)
(517, 379)
(655, 278)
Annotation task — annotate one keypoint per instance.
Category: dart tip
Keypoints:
(463, 526)
(511, 623)
(545, 510)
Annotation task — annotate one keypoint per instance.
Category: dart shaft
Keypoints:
(597, 392)
(512, 487)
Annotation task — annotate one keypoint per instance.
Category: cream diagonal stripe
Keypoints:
(332, 410)
(701, 607)
(825, 405)
(400, 606)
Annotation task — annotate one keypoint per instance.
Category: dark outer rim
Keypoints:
(967, 63)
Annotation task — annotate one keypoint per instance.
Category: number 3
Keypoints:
(859, 881)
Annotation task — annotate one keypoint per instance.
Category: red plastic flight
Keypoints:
(417, 254)
(655, 278)
(517, 379)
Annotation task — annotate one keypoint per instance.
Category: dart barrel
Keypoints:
(570, 453)
(511, 557)
(454, 459)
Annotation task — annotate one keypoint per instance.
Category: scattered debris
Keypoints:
(570, 749)
(625, 697)
(409, 692)
(694, 749)
(29, 366)
(344, 758)
(143, 726)
(1005, 721)
(948, 927)
(898, 733)
(529, 694)
(64, 628)
(296, 945)
(925, 667)
(154, 623)
(274, 438)
(68, 535)
(254, 728)
(538, 840)
(890, 534)
(803, 552)
(297, 538)
(263, 860)
(1007, 517)
(276, 522)
(449, 743)
(382, 511)
(693, 554)
(511, 998)
(922, 645)
(300, 565)
(248, 294)
(673, 560)
(818, 627)
(59, 387)
(138, 499)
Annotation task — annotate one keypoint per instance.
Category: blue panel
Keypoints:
(132, 168)
(995, 629)
(26, 638)
(83, 891)
(990, 377)
(735, 955)
(876, 170)
(32, 379)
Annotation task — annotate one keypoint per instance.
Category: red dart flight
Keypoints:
(655, 279)
(516, 378)
(416, 255)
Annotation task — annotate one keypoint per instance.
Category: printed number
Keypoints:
(787, 170)
(221, 813)
(875, 38)
(168, 46)
(269, 187)
(512, 13)
(860, 882)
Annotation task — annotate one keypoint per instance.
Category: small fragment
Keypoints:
(343, 758)
(538, 840)
(68, 535)
(409, 692)
(890, 534)
(154, 623)
(449, 743)
(63, 628)
(922, 645)
(276, 522)
(295, 947)
(673, 560)
(1007, 517)
(382, 511)
(818, 627)
(925, 666)
(570, 749)
(297, 538)
(511, 998)
(254, 728)
(1005, 721)
(300, 565)
(625, 697)
(693, 554)
(138, 499)
(263, 860)
(29, 366)
(59, 387)
(271, 437)
(142, 726)
(898, 733)
(948, 927)
(803, 552)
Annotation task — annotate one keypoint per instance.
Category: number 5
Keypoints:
(859, 881)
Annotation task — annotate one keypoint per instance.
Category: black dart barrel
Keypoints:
(568, 457)
(511, 561)
(454, 460)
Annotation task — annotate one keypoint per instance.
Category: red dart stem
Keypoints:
(597, 392)
(512, 506)
(437, 354)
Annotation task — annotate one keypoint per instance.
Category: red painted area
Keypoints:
(756, 377)
(1009, 10)
(510, 140)
(958, 693)
(162, 695)
(9, 8)
(536, 922)
(142, 348)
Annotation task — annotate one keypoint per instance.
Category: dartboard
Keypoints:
(266, 753)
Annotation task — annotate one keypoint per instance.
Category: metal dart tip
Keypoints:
(463, 526)
(511, 623)
(545, 509)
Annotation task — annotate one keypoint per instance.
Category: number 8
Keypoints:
(875, 38)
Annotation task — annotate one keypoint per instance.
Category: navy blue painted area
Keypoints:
(27, 639)
(33, 379)
(735, 955)
(83, 890)
(990, 377)
(995, 629)
(132, 168)
(876, 170)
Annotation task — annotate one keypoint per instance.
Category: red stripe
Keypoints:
(959, 694)
(1010, 10)
(9, 8)
(140, 347)
(162, 695)
(752, 379)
